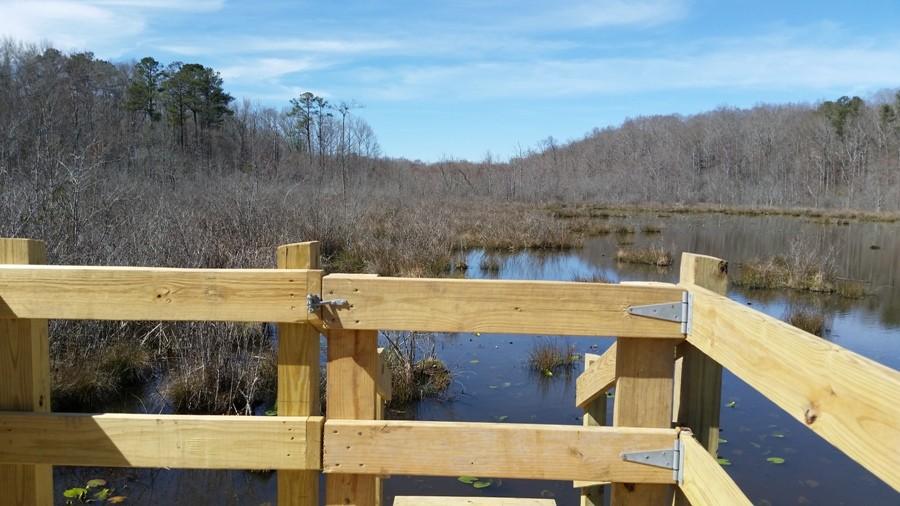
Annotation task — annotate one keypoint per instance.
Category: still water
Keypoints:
(493, 383)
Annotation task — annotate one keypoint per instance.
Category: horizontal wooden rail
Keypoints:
(174, 441)
(849, 400)
(705, 482)
(597, 378)
(145, 293)
(497, 450)
(468, 305)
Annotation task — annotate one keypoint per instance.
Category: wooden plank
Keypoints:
(298, 375)
(409, 500)
(705, 481)
(383, 385)
(851, 401)
(146, 293)
(470, 305)
(699, 378)
(495, 450)
(592, 492)
(24, 381)
(350, 393)
(644, 379)
(597, 378)
(176, 441)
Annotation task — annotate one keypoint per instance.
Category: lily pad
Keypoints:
(95, 483)
(731, 404)
(102, 494)
(723, 461)
(547, 372)
(723, 441)
(777, 434)
(474, 361)
(482, 484)
(74, 493)
(610, 395)
(116, 499)
(502, 418)
(467, 479)
(775, 460)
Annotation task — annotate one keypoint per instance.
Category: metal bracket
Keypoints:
(679, 312)
(667, 459)
(314, 302)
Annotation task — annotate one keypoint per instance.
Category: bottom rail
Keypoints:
(174, 441)
(496, 450)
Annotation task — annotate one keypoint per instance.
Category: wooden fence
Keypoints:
(667, 375)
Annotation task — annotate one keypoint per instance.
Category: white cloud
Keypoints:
(264, 69)
(744, 65)
(605, 13)
(105, 26)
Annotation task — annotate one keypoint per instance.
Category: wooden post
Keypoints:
(644, 380)
(298, 376)
(24, 382)
(699, 391)
(350, 394)
(594, 415)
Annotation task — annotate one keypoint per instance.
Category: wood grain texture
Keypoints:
(851, 401)
(597, 378)
(144, 293)
(24, 381)
(176, 441)
(410, 500)
(350, 393)
(592, 492)
(469, 305)
(645, 370)
(699, 378)
(495, 450)
(298, 374)
(705, 481)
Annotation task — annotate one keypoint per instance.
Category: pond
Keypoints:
(493, 382)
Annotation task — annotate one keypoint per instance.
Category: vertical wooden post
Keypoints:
(298, 376)
(700, 392)
(644, 380)
(350, 394)
(594, 415)
(700, 387)
(24, 382)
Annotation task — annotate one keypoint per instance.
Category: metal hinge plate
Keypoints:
(667, 459)
(679, 312)
(314, 302)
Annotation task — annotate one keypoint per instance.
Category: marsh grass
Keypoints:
(652, 229)
(113, 374)
(654, 255)
(807, 319)
(491, 264)
(623, 229)
(548, 357)
(416, 371)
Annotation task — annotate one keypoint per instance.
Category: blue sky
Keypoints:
(463, 78)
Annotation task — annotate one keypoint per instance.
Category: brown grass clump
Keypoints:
(808, 320)
(490, 264)
(548, 357)
(416, 371)
(652, 229)
(597, 277)
(100, 380)
(653, 255)
(623, 229)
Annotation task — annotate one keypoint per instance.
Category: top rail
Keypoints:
(524, 307)
(146, 293)
(849, 400)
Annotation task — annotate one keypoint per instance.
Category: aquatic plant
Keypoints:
(416, 371)
(653, 255)
(547, 357)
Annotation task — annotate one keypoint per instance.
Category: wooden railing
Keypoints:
(660, 374)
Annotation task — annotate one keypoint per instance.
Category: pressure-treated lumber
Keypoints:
(410, 500)
(350, 393)
(592, 492)
(496, 450)
(469, 305)
(24, 381)
(146, 293)
(698, 387)
(597, 378)
(176, 441)
(705, 481)
(298, 374)
(849, 400)
(644, 381)
(383, 385)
